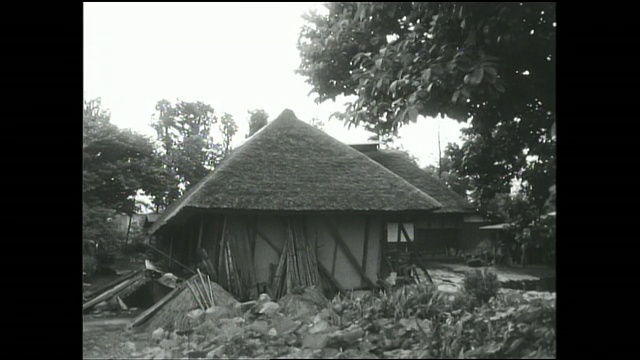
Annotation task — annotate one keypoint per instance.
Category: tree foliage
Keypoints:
(258, 118)
(187, 146)
(448, 174)
(317, 123)
(228, 128)
(528, 223)
(489, 64)
(116, 163)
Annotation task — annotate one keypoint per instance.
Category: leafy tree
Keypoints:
(228, 128)
(258, 118)
(187, 146)
(527, 225)
(448, 174)
(317, 123)
(489, 64)
(116, 163)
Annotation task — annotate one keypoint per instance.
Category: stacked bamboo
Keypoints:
(298, 265)
(242, 259)
(202, 291)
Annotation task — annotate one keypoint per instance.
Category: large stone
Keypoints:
(284, 325)
(315, 341)
(158, 334)
(320, 326)
(259, 326)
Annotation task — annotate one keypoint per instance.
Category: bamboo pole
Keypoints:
(204, 287)
(213, 303)
(200, 288)
(170, 259)
(195, 296)
(280, 271)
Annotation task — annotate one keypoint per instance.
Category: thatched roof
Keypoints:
(400, 163)
(290, 165)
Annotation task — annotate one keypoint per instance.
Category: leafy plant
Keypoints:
(491, 66)
(483, 285)
(134, 248)
(89, 264)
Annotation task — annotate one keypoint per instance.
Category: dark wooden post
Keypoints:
(399, 239)
(366, 244)
(200, 234)
(126, 241)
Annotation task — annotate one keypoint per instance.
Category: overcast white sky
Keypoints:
(234, 56)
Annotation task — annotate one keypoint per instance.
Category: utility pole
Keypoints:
(439, 153)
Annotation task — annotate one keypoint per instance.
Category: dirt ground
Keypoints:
(105, 338)
(505, 273)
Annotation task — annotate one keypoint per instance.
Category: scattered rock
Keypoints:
(219, 312)
(216, 353)
(320, 326)
(231, 330)
(168, 344)
(284, 325)
(269, 308)
(195, 314)
(259, 326)
(129, 346)
(158, 334)
(315, 341)
(196, 354)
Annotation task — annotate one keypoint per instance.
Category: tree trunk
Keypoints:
(439, 154)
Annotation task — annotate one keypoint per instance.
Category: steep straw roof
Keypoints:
(290, 165)
(400, 163)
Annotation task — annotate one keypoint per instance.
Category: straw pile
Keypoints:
(173, 315)
(298, 266)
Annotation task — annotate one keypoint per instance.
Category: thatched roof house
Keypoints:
(290, 165)
(400, 163)
(453, 226)
(292, 186)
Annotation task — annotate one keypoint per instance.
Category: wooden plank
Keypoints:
(335, 258)
(150, 311)
(170, 259)
(171, 237)
(347, 252)
(333, 280)
(399, 238)
(200, 233)
(266, 239)
(221, 250)
(253, 228)
(366, 245)
(108, 294)
(404, 232)
(112, 284)
(208, 264)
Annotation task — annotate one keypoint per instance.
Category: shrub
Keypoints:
(483, 285)
(89, 265)
(134, 248)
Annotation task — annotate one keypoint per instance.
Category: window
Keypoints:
(392, 232)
